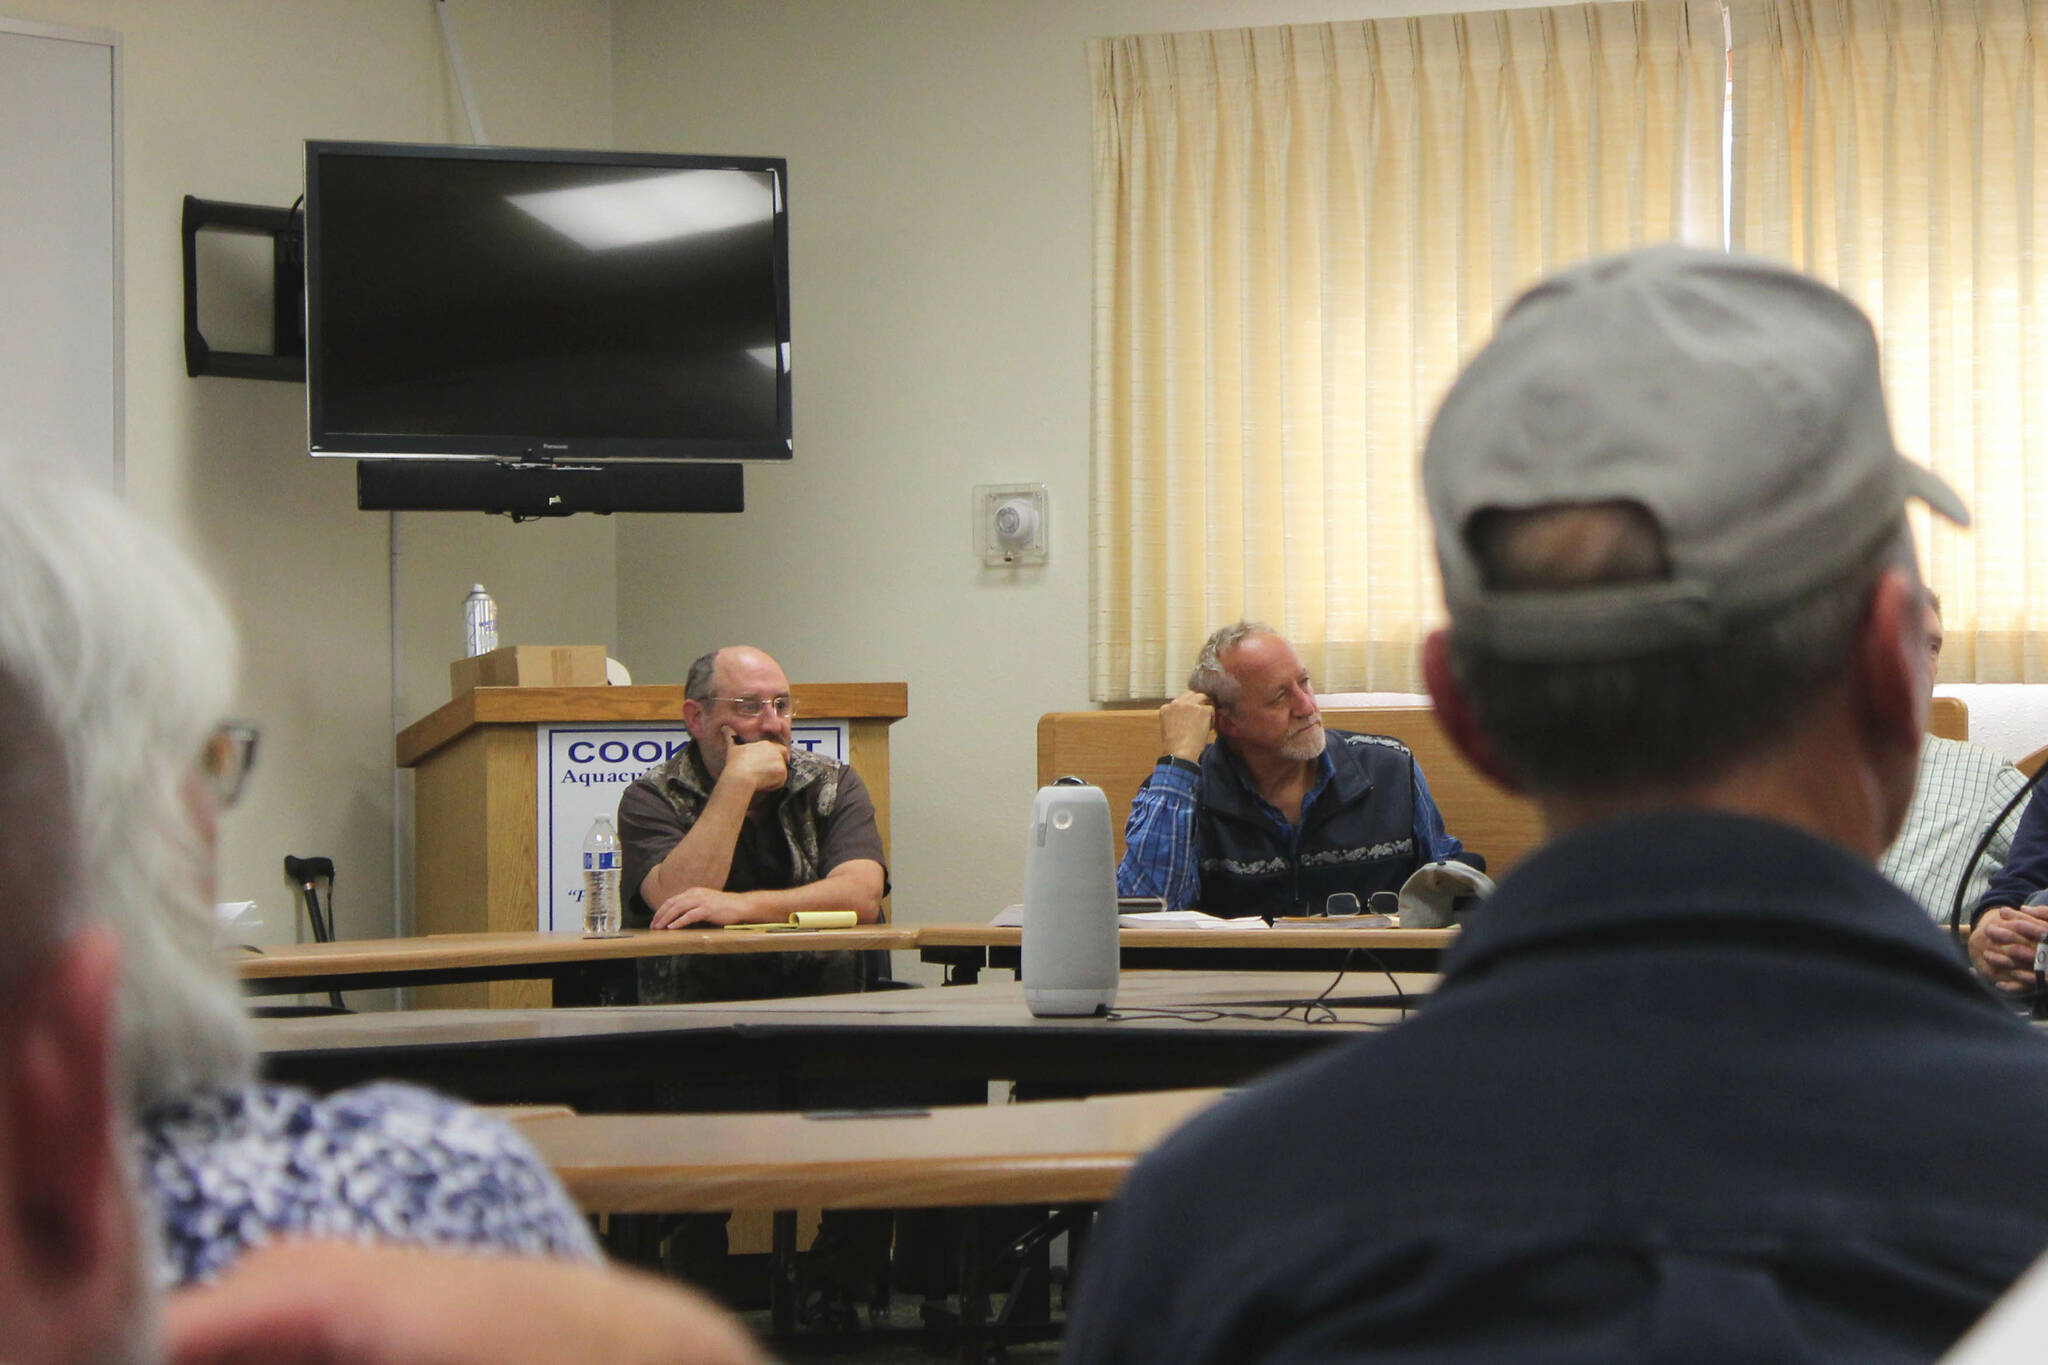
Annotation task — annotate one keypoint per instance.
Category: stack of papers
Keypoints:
(1012, 917)
(1186, 919)
(802, 921)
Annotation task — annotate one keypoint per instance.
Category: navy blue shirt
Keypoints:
(2026, 866)
(1364, 826)
(1693, 1088)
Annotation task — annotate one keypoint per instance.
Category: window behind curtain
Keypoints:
(1898, 149)
(1300, 232)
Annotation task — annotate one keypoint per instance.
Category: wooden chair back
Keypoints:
(1115, 750)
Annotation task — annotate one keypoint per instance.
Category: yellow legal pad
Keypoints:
(805, 919)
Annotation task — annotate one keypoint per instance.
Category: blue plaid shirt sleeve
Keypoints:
(1430, 835)
(1161, 854)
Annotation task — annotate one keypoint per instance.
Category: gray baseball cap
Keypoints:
(1734, 399)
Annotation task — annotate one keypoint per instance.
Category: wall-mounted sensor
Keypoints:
(1016, 524)
(1009, 523)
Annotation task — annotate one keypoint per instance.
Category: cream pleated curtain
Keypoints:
(1896, 148)
(1299, 234)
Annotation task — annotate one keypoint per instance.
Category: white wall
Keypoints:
(59, 248)
(218, 96)
(2007, 718)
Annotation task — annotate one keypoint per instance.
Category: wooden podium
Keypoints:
(476, 840)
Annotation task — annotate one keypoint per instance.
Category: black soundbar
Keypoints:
(525, 491)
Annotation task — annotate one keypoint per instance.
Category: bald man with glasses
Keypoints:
(739, 827)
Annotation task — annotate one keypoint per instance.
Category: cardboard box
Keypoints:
(529, 666)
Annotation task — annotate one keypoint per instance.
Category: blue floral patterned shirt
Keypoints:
(231, 1169)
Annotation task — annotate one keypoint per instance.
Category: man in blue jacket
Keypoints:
(1698, 1083)
(1278, 815)
(2006, 932)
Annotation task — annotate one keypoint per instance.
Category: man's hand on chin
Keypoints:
(762, 765)
(702, 905)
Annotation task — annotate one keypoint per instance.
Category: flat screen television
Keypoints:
(545, 306)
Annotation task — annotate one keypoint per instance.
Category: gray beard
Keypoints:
(1306, 745)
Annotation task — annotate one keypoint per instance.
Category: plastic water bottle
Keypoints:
(601, 880)
(479, 622)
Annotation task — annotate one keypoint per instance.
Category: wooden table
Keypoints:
(1062, 1153)
(571, 961)
(964, 949)
(919, 1047)
(1047, 1152)
(794, 1054)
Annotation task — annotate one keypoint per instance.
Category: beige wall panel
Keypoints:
(218, 96)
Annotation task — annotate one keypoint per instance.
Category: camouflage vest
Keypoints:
(806, 799)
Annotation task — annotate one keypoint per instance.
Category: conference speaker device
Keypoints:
(1070, 946)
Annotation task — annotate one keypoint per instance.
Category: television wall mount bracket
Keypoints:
(287, 232)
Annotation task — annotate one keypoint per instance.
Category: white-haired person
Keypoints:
(75, 1287)
(72, 1281)
(129, 656)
